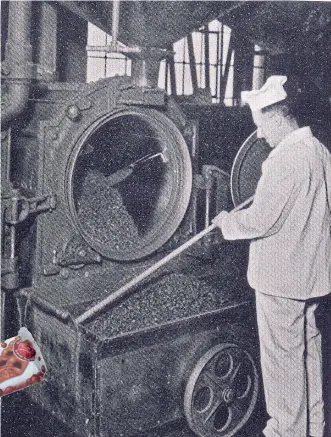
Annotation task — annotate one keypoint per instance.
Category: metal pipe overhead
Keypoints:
(18, 61)
(115, 21)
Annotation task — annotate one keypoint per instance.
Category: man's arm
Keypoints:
(275, 196)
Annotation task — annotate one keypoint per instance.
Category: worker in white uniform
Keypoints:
(289, 223)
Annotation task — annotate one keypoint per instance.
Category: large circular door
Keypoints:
(129, 182)
(246, 169)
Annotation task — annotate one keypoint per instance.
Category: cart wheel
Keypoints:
(221, 392)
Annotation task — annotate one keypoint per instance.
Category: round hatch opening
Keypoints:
(130, 181)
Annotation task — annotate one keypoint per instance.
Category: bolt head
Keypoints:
(65, 273)
(73, 112)
(228, 395)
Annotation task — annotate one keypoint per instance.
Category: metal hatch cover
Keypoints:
(247, 168)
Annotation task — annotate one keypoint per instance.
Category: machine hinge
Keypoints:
(19, 208)
(74, 255)
(15, 209)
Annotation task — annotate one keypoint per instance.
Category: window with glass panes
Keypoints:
(210, 58)
(101, 64)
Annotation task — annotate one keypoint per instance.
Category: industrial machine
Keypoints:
(105, 180)
(101, 181)
(111, 168)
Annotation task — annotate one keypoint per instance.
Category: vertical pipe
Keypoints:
(247, 73)
(19, 22)
(13, 230)
(218, 66)
(207, 66)
(226, 70)
(221, 56)
(18, 61)
(207, 206)
(5, 160)
(166, 75)
(237, 69)
(172, 73)
(259, 67)
(194, 125)
(193, 65)
(47, 40)
(145, 67)
(115, 22)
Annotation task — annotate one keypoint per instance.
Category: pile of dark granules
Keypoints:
(171, 297)
(103, 215)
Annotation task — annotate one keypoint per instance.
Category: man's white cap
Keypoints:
(271, 92)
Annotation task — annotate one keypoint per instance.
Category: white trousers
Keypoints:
(291, 361)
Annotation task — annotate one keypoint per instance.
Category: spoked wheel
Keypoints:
(221, 392)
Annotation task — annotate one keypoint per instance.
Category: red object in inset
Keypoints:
(15, 358)
(9, 390)
(25, 350)
(34, 379)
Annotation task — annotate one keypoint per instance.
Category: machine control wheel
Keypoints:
(221, 392)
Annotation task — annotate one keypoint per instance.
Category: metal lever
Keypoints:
(122, 174)
(147, 158)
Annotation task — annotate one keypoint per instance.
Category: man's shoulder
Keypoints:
(313, 148)
(291, 162)
(307, 148)
(284, 165)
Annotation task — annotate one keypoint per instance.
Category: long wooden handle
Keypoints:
(127, 288)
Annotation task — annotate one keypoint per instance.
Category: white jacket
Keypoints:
(289, 221)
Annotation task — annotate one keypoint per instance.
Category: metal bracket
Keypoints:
(15, 209)
(22, 207)
(76, 253)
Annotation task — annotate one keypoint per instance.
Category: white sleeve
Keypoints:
(274, 198)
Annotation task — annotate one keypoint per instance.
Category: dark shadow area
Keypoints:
(23, 418)
(324, 322)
